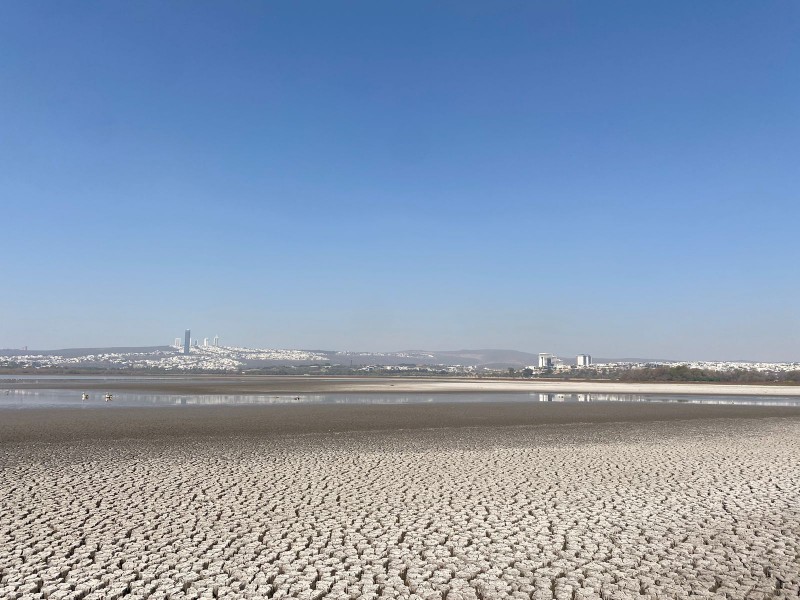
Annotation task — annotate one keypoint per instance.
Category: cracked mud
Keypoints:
(646, 510)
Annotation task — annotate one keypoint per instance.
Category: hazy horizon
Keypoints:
(618, 179)
(567, 355)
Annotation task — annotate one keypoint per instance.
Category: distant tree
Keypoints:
(527, 372)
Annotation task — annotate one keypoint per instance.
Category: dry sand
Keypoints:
(260, 502)
(320, 385)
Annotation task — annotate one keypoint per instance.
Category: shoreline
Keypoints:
(250, 385)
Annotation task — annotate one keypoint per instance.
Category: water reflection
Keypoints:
(676, 398)
(27, 398)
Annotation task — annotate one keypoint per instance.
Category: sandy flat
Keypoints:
(392, 503)
(320, 385)
(108, 422)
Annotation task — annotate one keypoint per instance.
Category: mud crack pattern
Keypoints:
(706, 509)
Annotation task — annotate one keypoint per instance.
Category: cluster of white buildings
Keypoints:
(122, 360)
(178, 343)
(550, 361)
(408, 355)
(422, 369)
(199, 358)
(722, 366)
(245, 355)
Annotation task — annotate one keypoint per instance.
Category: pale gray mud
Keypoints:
(635, 510)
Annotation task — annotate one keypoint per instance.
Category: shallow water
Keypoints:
(53, 398)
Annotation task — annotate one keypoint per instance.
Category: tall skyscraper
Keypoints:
(187, 338)
(216, 340)
(545, 360)
(584, 360)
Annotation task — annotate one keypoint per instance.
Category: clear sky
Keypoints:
(618, 178)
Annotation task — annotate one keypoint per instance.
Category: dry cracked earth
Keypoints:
(647, 510)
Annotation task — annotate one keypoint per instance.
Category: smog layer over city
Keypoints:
(429, 301)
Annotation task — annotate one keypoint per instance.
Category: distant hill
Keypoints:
(473, 358)
(628, 360)
(73, 352)
(485, 358)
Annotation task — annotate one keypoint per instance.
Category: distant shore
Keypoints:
(221, 384)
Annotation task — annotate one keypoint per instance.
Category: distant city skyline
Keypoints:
(538, 359)
(612, 178)
(211, 358)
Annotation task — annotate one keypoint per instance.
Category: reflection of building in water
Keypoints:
(545, 360)
(583, 398)
(545, 397)
(584, 360)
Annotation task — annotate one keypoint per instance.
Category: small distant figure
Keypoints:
(109, 397)
(84, 396)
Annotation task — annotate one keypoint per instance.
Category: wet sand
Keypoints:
(214, 384)
(108, 422)
(426, 502)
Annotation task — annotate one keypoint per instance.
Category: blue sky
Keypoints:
(619, 178)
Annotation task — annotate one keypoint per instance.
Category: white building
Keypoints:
(584, 360)
(545, 360)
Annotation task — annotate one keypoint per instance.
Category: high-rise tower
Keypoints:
(187, 338)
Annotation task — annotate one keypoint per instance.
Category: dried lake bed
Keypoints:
(504, 500)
